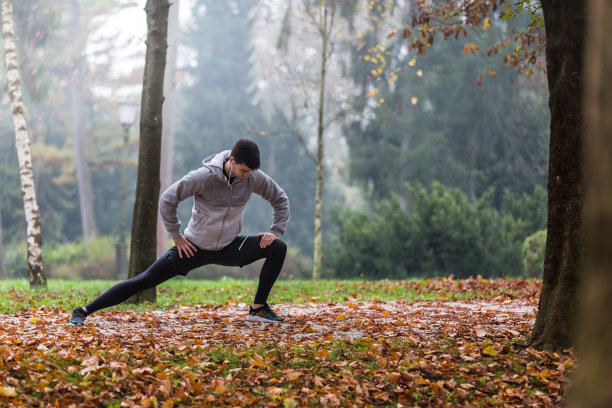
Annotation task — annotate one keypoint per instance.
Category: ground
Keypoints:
(353, 353)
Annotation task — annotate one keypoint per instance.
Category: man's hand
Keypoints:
(184, 246)
(266, 239)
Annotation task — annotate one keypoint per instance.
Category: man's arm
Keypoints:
(191, 184)
(276, 196)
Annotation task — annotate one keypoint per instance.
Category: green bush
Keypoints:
(533, 254)
(440, 233)
(75, 260)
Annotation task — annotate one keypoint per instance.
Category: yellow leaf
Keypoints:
(289, 403)
(393, 377)
(486, 24)
(8, 391)
(258, 361)
(33, 320)
(414, 100)
(490, 351)
(420, 73)
(412, 62)
(492, 74)
(340, 317)
(168, 404)
(322, 353)
(293, 375)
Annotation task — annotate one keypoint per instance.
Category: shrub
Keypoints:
(533, 254)
(441, 233)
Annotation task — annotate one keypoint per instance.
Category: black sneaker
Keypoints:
(263, 314)
(78, 316)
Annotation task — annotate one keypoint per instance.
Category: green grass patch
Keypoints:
(16, 295)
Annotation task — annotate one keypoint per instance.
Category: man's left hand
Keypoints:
(266, 239)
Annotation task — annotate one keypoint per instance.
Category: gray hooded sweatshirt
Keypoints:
(216, 216)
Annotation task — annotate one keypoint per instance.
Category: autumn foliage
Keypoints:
(354, 353)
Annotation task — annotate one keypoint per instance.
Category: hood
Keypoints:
(215, 163)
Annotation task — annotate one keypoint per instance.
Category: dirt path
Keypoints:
(215, 325)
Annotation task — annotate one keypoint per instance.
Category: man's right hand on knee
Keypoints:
(184, 246)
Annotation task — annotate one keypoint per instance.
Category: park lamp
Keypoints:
(128, 110)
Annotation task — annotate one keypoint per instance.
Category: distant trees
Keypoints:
(34, 239)
(443, 232)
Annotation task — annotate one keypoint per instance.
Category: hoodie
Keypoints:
(216, 216)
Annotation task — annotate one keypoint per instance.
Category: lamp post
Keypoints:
(128, 111)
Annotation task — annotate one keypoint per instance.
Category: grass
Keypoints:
(15, 295)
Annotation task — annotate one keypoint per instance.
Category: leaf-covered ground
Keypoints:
(352, 353)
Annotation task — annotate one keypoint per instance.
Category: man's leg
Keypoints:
(274, 255)
(166, 267)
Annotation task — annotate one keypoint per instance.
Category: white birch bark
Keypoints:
(32, 215)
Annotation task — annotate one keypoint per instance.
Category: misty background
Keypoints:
(426, 172)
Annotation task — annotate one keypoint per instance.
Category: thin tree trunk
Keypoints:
(167, 149)
(594, 372)
(78, 132)
(33, 237)
(143, 248)
(565, 25)
(3, 273)
(318, 233)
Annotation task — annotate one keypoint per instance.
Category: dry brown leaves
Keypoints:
(401, 353)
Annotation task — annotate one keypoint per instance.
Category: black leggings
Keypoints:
(243, 250)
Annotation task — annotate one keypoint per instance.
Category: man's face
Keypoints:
(240, 171)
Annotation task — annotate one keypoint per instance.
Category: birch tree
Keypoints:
(33, 236)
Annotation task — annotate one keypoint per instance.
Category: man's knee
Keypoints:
(279, 246)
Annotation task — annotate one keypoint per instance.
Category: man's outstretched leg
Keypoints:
(274, 255)
(162, 270)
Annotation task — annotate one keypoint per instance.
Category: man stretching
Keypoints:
(221, 189)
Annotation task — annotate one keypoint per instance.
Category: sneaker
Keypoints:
(78, 316)
(263, 314)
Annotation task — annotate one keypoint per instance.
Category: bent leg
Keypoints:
(275, 257)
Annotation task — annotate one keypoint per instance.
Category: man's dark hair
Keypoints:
(246, 152)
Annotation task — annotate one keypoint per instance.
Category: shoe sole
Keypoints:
(251, 318)
(77, 323)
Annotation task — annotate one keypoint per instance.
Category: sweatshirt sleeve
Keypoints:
(189, 185)
(276, 196)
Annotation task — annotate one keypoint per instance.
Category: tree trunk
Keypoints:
(78, 131)
(324, 30)
(143, 246)
(33, 237)
(167, 149)
(565, 26)
(594, 372)
(3, 273)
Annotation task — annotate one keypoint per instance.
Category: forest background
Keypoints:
(429, 169)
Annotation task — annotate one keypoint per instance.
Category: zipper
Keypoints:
(225, 217)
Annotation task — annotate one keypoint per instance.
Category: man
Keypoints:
(221, 189)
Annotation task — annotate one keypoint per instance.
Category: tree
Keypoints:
(34, 239)
(143, 248)
(423, 111)
(324, 21)
(594, 373)
(564, 24)
(168, 115)
(78, 126)
(555, 323)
